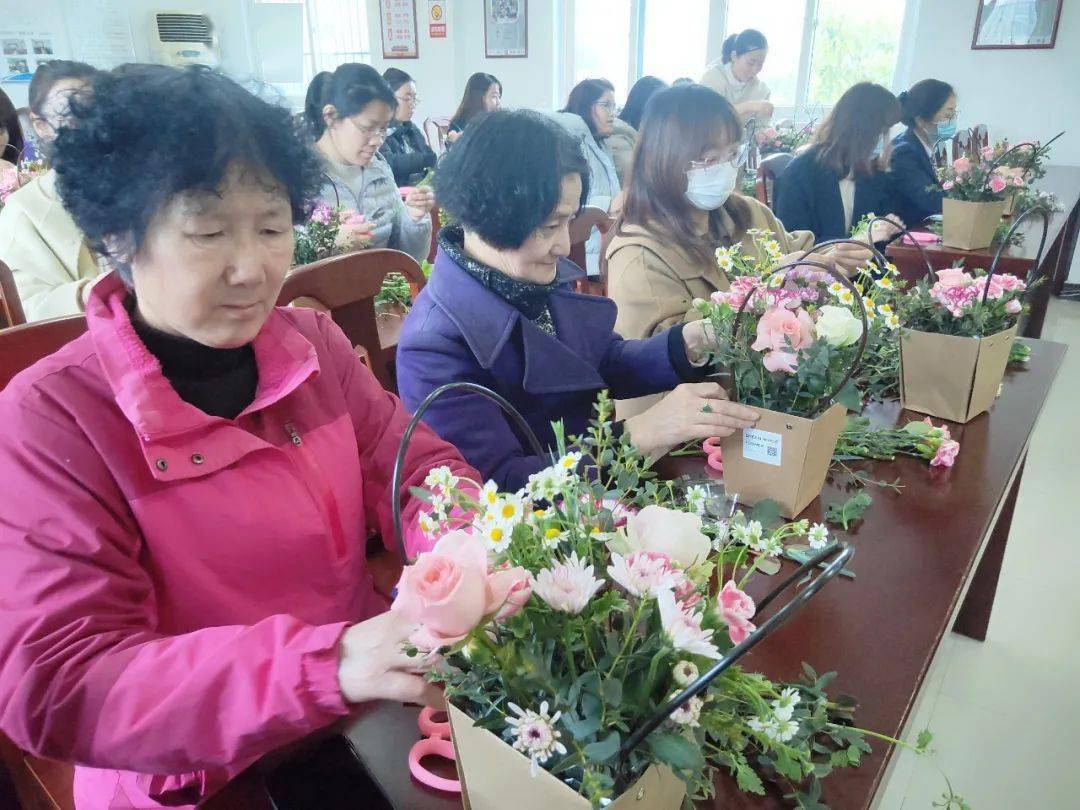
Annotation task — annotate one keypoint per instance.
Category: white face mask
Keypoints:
(709, 188)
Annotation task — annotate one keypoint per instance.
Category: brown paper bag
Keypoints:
(494, 776)
(955, 378)
(969, 225)
(785, 458)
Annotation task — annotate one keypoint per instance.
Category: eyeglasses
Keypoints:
(608, 106)
(382, 132)
(708, 163)
(412, 98)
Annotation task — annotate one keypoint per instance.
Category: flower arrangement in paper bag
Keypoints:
(569, 612)
(965, 303)
(979, 178)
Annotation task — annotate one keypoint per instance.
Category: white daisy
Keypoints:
(818, 536)
(893, 322)
(696, 498)
(568, 464)
(509, 510)
(553, 536)
(784, 706)
(846, 297)
(489, 495)
(497, 535)
(885, 283)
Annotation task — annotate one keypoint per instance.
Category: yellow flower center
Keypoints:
(507, 511)
(496, 535)
(552, 533)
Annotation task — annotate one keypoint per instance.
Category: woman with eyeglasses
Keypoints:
(406, 149)
(589, 117)
(680, 207)
(735, 75)
(929, 112)
(349, 113)
(842, 176)
(500, 311)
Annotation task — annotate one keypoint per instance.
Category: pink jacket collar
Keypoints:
(169, 429)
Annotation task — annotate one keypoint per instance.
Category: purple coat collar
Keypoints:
(584, 324)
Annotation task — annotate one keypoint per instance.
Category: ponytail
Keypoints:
(349, 89)
(741, 44)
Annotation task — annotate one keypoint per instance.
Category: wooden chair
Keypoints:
(346, 287)
(435, 130)
(769, 168)
(22, 346)
(11, 311)
(961, 144)
(581, 228)
(40, 784)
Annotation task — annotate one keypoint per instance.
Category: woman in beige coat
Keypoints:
(735, 75)
(680, 208)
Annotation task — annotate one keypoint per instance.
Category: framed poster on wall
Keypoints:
(1016, 24)
(397, 18)
(506, 29)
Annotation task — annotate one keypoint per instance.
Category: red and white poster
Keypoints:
(398, 21)
(437, 19)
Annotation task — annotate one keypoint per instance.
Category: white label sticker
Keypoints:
(760, 445)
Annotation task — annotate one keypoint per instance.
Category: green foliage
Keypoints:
(917, 439)
(924, 311)
(850, 48)
(849, 511)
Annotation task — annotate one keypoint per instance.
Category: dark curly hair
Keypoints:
(503, 178)
(147, 133)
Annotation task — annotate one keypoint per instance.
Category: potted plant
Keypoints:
(957, 334)
(589, 625)
(791, 344)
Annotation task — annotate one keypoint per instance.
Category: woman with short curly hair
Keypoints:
(499, 311)
(188, 487)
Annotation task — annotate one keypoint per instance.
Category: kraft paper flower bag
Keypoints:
(958, 332)
(589, 627)
(792, 342)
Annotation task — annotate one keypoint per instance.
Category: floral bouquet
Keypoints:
(788, 139)
(14, 178)
(797, 372)
(573, 614)
(975, 188)
(923, 440)
(958, 330)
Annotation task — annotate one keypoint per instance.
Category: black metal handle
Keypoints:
(1040, 211)
(804, 262)
(905, 231)
(406, 437)
(842, 553)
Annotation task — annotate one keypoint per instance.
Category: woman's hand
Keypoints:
(698, 337)
(355, 236)
(886, 228)
(848, 257)
(419, 202)
(692, 412)
(761, 110)
(373, 666)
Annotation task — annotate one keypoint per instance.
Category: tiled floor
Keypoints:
(1005, 712)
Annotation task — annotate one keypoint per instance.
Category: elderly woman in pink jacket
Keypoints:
(188, 488)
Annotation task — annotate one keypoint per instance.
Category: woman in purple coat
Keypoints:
(499, 311)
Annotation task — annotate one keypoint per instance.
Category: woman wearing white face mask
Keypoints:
(680, 207)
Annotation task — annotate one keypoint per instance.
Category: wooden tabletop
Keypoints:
(915, 555)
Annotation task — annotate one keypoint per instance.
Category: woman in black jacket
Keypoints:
(928, 110)
(405, 148)
(841, 178)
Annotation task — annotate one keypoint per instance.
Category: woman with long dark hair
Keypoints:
(483, 94)
(405, 148)
(928, 110)
(735, 75)
(620, 144)
(12, 141)
(349, 113)
(842, 176)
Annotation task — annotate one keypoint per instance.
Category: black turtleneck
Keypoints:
(220, 382)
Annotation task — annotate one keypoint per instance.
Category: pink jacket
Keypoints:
(173, 585)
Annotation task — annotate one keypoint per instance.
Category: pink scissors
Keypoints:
(436, 743)
(713, 455)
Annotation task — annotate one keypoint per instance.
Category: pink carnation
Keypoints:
(961, 165)
(987, 152)
(742, 287)
(736, 609)
(946, 454)
(781, 333)
(942, 427)
(997, 184)
(1014, 307)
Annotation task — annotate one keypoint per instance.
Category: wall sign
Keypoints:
(437, 19)
(506, 29)
(397, 19)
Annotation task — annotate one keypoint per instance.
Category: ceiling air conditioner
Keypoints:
(178, 38)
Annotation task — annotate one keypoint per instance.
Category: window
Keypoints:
(673, 44)
(335, 31)
(599, 27)
(781, 21)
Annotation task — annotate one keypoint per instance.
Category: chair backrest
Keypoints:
(22, 346)
(980, 136)
(769, 168)
(347, 285)
(435, 130)
(11, 311)
(961, 144)
(941, 154)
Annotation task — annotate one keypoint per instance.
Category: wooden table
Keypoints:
(1061, 181)
(926, 561)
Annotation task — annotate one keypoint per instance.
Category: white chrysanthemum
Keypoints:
(685, 673)
(568, 464)
(567, 586)
(784, 706)
(688, 714)
(684, 629)
(696, 498)
(497, 536)
(893, 321)
(818, 536)
(535, 734)
(553, 535)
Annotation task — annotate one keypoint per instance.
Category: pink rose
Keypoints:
(997, 184)
(782, 333)
(736, 608)
(1014, 307)
(961, 165)
(946, 454)
(508, 591)
(947, 185)
(446, 591)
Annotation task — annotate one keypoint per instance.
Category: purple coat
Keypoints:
(458, 330)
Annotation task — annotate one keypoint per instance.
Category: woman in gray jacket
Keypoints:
(589, 116)
(349, 111)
